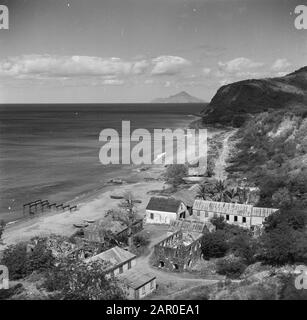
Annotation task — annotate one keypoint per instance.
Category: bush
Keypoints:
(214, 245)
(230, 268)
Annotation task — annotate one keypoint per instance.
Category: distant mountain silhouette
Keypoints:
(181, 97)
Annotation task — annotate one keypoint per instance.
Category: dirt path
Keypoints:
(174, 281)
(220, 164)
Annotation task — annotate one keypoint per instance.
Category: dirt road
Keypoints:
(221, 162)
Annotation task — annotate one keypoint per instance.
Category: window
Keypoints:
(206, 214)
(244, 219)
(152, 216)
(129, 265)
(151, 285)
(235, 219)
(227, 217)
(121, 269)
(143, 290)
(198, 213)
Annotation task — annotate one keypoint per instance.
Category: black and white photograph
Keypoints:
(153, 152)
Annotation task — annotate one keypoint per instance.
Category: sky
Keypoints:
(101, 51)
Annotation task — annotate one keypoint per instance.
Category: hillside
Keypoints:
(234, 103)
(181, 97)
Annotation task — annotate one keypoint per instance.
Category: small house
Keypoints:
(118, 259)
(137, 284)
(162, 210)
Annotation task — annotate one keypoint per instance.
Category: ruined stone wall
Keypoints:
(176, 259)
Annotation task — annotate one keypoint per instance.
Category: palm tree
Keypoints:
(220, 191)
(205, 192)
(232, 195)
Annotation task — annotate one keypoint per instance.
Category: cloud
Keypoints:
(49, 66)
(239, 65)
(140, 67)
(169, 65)
(281, 65)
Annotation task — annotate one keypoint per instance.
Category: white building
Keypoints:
(118, 261)
(162, 210)
(244, 215)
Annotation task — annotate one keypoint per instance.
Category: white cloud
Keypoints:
(238, 65)
(281, 65)
(140, 67)
(169, 65)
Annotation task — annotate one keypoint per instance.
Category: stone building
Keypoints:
(182, 248)
(243, 215)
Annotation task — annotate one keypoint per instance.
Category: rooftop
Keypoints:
(116, 256)
(114, 226)
(187, 226)
(232, 208)
(135, 278)
(163, 204)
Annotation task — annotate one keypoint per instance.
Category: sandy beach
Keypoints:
(93, 206)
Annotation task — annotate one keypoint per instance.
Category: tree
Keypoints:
(214, 245)
(220, 192)
(283, 245)
(40, 259)
(219, 222)
(244, 246)
(175, 173)
(15, 259)
(282, 198)
(71, 280)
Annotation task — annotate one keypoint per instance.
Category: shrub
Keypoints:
(244, 246)
(214, 245)
(230, 268)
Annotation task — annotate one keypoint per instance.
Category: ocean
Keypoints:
(52, 151)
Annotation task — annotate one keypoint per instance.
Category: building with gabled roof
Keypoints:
(244, 215)
(120, 260)
(137, 284)
(162, 210)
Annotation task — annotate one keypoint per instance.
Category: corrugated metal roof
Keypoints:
(115, 255)
(187, 226)
(163, 204)
(232, 208)
(135, 278)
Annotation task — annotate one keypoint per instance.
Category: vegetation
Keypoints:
(22, 263)
(2, 227)
(71, 280)
(214, 245)
(230, 268)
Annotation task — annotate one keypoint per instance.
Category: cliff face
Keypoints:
(181, 97)
(235, 102)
